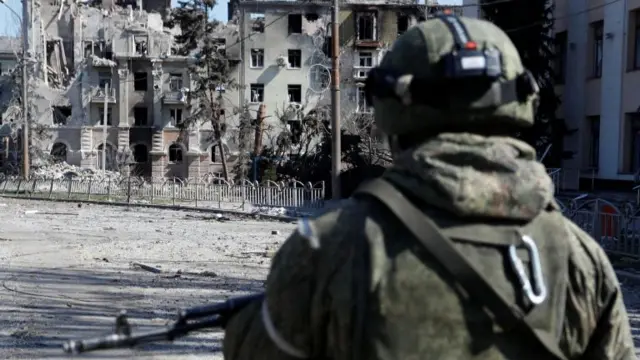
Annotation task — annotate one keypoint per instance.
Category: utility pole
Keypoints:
(336, 154)
(104, 127)
(25, 90)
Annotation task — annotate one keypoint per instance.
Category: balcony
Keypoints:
(98, 95)
(174, 97)
(360, 73)
(369, 43)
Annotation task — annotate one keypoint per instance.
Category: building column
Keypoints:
(613, 69)
(574, 90)
(157, 74)
(123, 96)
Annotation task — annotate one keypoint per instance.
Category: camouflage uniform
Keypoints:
(353, 284)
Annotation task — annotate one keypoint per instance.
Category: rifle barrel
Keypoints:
(212, 316)
(228, 307)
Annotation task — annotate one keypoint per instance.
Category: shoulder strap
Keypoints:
(507, 315)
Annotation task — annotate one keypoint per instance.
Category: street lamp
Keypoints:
(25, 106)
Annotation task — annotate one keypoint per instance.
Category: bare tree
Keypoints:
(373, 149)
(210, 73)
(297, 130)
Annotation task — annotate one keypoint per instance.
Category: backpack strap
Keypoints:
(508, 316)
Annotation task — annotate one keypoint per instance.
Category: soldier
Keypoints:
(459, 250)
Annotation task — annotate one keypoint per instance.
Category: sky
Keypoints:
(10, 25)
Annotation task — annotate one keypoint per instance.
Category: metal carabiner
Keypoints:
(540, 294)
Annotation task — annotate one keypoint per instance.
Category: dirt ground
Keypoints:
(66, 271)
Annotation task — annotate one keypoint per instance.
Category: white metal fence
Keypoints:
(615, 226)
(209, 192)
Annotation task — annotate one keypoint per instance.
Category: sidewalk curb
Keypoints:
(239, 214)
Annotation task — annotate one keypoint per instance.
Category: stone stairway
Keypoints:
(157, 141)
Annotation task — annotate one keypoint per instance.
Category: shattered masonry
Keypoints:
(78, 47)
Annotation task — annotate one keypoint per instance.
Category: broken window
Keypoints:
(295, 127)
(365, 59)
(140, 153)
(257, 93)
(175, 153)
(311, 16)
(99, 49)
(257, 58)
(257, 22)
(104, 78)
(175, 82)
(88, 49)
(176, 116)
(107, 51)
(366, 29)
(61, 114)
(295, 59)
(327, 47)
(215, 151)
(140, 81)
(295, 23)
(361, 101)
(295, 93)
(403, 23)
(59, 152)
(140, 45)
(101, 115)
(140, 116)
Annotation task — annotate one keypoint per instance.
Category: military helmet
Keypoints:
(451, 71)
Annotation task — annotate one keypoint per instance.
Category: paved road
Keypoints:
(66, 271)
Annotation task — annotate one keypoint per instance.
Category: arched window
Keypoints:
(140, 154)
(59, 152)
(175, 153)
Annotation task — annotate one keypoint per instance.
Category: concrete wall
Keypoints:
(275, 41)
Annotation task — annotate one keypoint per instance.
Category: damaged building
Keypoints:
(287, 52)
(104, 77)
(113, 60)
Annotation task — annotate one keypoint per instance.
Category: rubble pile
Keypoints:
(65, 171)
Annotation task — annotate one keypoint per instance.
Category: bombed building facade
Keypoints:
(113, 61)
(104, 77)
(287, 53)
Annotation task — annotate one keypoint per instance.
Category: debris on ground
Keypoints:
(66, 171)
(218, 217)
(152, 269)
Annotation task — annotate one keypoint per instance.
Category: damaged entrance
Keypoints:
(59, 152)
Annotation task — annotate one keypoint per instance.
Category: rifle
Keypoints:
(191, 319)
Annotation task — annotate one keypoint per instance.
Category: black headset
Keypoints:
(465, 68)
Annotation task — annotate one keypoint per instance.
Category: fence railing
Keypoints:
(615, 226)
(208, 192)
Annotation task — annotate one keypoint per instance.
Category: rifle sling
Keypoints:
(508, 316)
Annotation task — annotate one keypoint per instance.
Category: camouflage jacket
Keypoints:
(348, 285)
